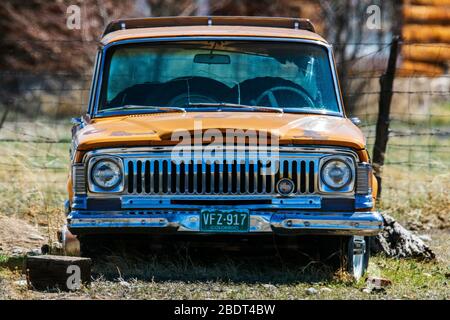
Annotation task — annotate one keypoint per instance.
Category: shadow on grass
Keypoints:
(12, 263)
(273, 263)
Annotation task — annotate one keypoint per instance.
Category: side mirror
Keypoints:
(76, 121)
(356, 121)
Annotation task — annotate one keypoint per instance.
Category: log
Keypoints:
(397, 242)
(426, 33)
(430, 2)
(426, 52)
(57, 272)
(426, 14)
(412, 68)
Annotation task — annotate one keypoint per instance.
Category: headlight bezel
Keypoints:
(346, 188)
(94, 187)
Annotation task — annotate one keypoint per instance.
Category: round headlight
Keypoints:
(336, 174)
(106, 174)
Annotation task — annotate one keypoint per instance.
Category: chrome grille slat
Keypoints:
(272, 176)
(212, 177)
(238, 177)
(221, 177)
(157, 174)
(178, 177)
(169, 176)
(306, 176)
(230, 172)
(152, 168)
(203, 177)
(135, 176)
(160, 180)
(247, 176)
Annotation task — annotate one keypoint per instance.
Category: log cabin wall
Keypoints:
(426, 35)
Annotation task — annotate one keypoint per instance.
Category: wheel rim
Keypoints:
(358, 265)
(359, 250)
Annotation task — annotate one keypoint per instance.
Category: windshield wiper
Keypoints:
(235, 105)
(156, 108)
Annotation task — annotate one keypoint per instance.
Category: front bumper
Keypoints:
(291, 222)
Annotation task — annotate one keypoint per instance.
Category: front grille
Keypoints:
(164, 176)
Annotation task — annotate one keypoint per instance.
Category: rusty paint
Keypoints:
(150, 130)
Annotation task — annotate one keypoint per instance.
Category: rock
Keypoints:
(57, 245)
(429, 275)
(377, 283)
(425, 237)
(398, 242)
(366, 290)
(21, 283)
(327, 290)
(311, 291)
(17, 251)
(34, 252)
(36, 237)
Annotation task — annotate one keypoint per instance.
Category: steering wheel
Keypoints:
(182, 99)
(270, 94)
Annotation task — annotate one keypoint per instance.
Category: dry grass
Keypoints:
(159, 277)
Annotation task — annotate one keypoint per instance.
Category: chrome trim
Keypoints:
(166, 201)
(94, 81)
(302, 156)
(347, 223)
(363, 178)
(163, 162)
(79, 178)
(97, 189)
(349, 187)
(289, 148)
(327, 46)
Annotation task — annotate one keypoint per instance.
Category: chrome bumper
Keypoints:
(312, 222)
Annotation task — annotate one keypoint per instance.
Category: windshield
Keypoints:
(295, 77)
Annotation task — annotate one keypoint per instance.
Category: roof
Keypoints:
(210, 26)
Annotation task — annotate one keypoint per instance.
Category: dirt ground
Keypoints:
(188, 275)
(17, 236)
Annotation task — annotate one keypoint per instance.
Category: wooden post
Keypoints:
(384, 109)
(62, 272)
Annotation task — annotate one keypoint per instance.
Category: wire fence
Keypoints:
(35, 123)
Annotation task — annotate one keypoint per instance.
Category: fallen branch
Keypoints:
(398, 242)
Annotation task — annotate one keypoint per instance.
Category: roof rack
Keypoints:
(274, 22)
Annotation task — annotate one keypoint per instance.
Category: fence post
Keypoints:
(384, 108)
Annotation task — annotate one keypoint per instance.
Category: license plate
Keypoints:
(224, 220)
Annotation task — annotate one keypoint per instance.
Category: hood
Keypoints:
(157, 129)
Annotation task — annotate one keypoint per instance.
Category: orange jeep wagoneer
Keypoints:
(220, 127)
